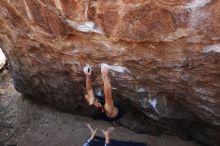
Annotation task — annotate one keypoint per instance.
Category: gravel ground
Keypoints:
(25, 123)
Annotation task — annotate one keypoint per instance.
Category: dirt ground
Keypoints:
(25, 123)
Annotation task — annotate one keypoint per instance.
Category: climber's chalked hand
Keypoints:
(87, 70)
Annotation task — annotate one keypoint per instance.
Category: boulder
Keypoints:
(164, 57)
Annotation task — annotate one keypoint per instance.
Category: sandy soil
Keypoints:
(25, 123)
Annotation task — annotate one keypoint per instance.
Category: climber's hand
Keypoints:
(87, 70)
(104, 71)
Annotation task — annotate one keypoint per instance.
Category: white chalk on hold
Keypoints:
(212, 48)
(104, 65)
(153, 102)
(141, 90)
(196, 4)
(87, 69)
(115, 68)
(87, 26)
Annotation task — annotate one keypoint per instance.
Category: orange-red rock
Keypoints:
(170, 51)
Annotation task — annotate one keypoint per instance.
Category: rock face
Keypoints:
(165, 57)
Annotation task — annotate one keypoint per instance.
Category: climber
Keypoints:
(102, 105)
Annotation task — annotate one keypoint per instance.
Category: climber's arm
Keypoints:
(109, 104)
(89, 86)
(90, 94)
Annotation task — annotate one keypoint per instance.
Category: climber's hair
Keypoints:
(95, 112)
